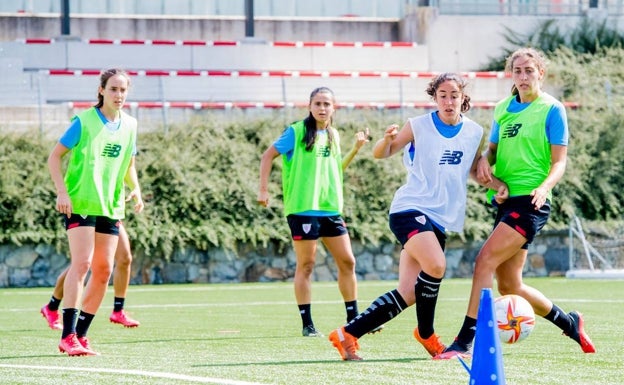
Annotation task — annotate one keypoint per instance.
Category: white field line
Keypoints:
(165, 375)
(149, 288)
(290, 303)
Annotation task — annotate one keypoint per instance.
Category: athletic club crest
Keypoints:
(307, 227)
(421, 219)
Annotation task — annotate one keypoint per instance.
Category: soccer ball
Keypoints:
(515, 318)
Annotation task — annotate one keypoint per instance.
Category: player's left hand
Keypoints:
(502, 194)
(362, 137)
(539, 195)
(138, 200)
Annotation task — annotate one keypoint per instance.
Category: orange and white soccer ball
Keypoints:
(515, 318)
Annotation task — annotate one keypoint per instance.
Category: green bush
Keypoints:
(589, 36)
(593, 185)
(200, 180)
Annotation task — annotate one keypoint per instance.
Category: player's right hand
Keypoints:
(391, 132)
(263, 198)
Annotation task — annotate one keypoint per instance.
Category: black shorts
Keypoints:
(519, 213)
(104, 225)
(406, 224)
(306, 227)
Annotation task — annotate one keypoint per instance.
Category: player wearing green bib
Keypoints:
(102, 143)
(527, 151)
(312, 189)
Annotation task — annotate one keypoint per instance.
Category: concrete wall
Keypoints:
(199, 28)
(453, 43)
(39, 265)
(280, 8)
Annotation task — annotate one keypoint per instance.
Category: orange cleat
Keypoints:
(346, 344)
(432, 345)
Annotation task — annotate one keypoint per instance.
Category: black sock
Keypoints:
(467, 331)
(69, 321)
(382, 310)
(306, 315)
(84, 321)
(427, 289)
(54, 303)
(560, 318)
(118, 304)
(352, 310)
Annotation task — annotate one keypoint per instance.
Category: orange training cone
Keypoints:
(487, 357)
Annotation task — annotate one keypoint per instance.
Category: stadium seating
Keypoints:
(240, 72)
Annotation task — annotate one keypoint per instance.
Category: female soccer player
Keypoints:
(528, 147)
(90, 195)
(312, 188)
(440, 150)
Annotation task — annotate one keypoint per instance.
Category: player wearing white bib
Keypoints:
(448, 152)
(440, 150)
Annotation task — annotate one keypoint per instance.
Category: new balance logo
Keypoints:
(451, 157)
(111, 150)
(323, 152)
(512, 130)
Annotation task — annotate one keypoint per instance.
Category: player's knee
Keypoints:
(81, 268)
(437, 270)
(101, 275)
(505, 288)
(306, 268)
(346, 265)
(484, 264)
(123, 258)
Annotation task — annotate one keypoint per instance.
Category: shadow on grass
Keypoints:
(311, 362)
(206, 339)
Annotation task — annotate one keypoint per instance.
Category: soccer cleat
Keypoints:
(52, 316)
(579, 335)
(84, 341)
(454, 350)
(376, 330)
(346, 344)
(72, 347)
(120, 317)
(310, 331)
(432, 345)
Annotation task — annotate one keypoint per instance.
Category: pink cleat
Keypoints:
(52, 316)
(73, 347)
(120, 317)
(84, 341)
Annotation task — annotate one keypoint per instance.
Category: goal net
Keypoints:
(593, 256)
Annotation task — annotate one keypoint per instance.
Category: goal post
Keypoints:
(588, 261)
